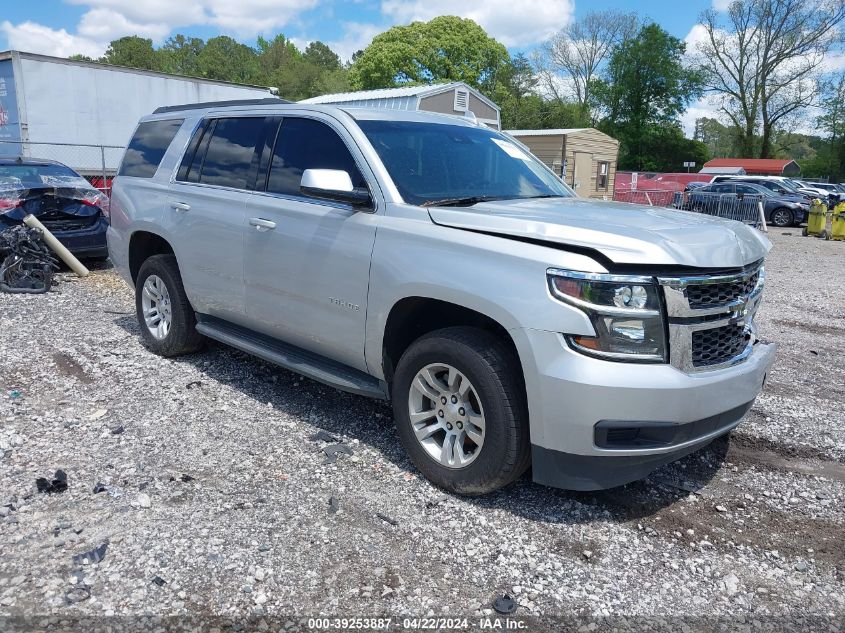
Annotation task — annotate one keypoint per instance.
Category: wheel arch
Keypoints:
(414, 316)
(144, 244)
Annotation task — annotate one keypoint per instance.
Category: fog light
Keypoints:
(631, 329)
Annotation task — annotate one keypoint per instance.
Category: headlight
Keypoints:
(624, 310)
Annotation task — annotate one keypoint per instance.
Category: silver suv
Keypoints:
(434, 262)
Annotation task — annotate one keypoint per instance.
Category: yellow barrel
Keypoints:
(816, 218)
(837, 222)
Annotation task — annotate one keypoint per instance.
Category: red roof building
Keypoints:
(755, 166)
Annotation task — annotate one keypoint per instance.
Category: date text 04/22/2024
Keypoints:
(423, 624)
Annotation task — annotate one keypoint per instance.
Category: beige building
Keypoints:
(584, 157)
(454, 98)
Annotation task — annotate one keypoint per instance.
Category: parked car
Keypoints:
(778, 184)
(779, 209)
(429, 260)
(692, 186)
(822, 190)
(65, 203)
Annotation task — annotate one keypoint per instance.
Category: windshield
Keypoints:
(788, 185)
(434, 163)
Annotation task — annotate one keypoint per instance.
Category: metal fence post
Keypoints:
(103, 164)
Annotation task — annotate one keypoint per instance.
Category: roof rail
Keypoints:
(220, 104)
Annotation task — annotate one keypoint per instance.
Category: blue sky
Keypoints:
(62, 27)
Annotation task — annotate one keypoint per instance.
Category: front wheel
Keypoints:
(781, 217)
(459, 404)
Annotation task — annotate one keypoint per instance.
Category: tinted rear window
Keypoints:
(147, 147)
(229, 159)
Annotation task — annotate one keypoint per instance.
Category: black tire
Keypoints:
(183, 337)
(496, 374)
(804, 232)
(782, 217)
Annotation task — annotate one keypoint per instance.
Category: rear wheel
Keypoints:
(167, 320)
(781, 217)
(460, 410)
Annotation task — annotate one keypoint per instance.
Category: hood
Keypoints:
(624, 233)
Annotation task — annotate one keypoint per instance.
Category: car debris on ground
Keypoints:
(27, 265)
(56, 485)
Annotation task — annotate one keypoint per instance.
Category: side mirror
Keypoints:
(333, 184)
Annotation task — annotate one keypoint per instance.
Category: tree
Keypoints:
(721, 140)
(225, 59)
(322, 56)
(645, 89)
(446, 48)
(832, 123)
(131, 51)
(764, 61)
(180, 55)
(578, 51)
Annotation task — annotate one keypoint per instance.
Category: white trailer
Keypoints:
(83, 113)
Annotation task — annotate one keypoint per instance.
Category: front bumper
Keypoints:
(574, 400)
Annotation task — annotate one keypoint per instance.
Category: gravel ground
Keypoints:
(215, 500)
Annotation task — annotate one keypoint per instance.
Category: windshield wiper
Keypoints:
(471, 200)
(467, 201)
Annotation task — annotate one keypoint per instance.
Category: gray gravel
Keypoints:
(214, 501)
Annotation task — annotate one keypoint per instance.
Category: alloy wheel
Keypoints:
(446, 415)
(155, 304)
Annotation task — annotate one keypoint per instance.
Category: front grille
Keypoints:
(718, 345)
(703, 296)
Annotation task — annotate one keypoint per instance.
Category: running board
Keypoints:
(309, 364)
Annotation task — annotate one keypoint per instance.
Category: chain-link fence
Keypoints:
(748, 209)
(97, 163)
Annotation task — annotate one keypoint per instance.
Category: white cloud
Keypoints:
(244, 17)
(356, 37)
(512, 23)
(722, 5)
(250, 17)
(696, 36)
(104, 25)
(36, 38)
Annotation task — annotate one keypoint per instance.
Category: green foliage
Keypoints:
(722, 141)
(275, 62)
(132, 51)
(645, 89)
(321, 56)
(180, 55)
(226, 59)
(444, 49)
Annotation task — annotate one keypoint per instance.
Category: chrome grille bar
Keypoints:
(718, 301)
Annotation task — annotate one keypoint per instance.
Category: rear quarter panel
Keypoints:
(140, 204)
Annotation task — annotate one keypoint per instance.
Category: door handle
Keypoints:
(180, 206)
(261, 224)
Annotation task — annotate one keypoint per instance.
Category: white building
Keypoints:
(455, 98)
(51, 107)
